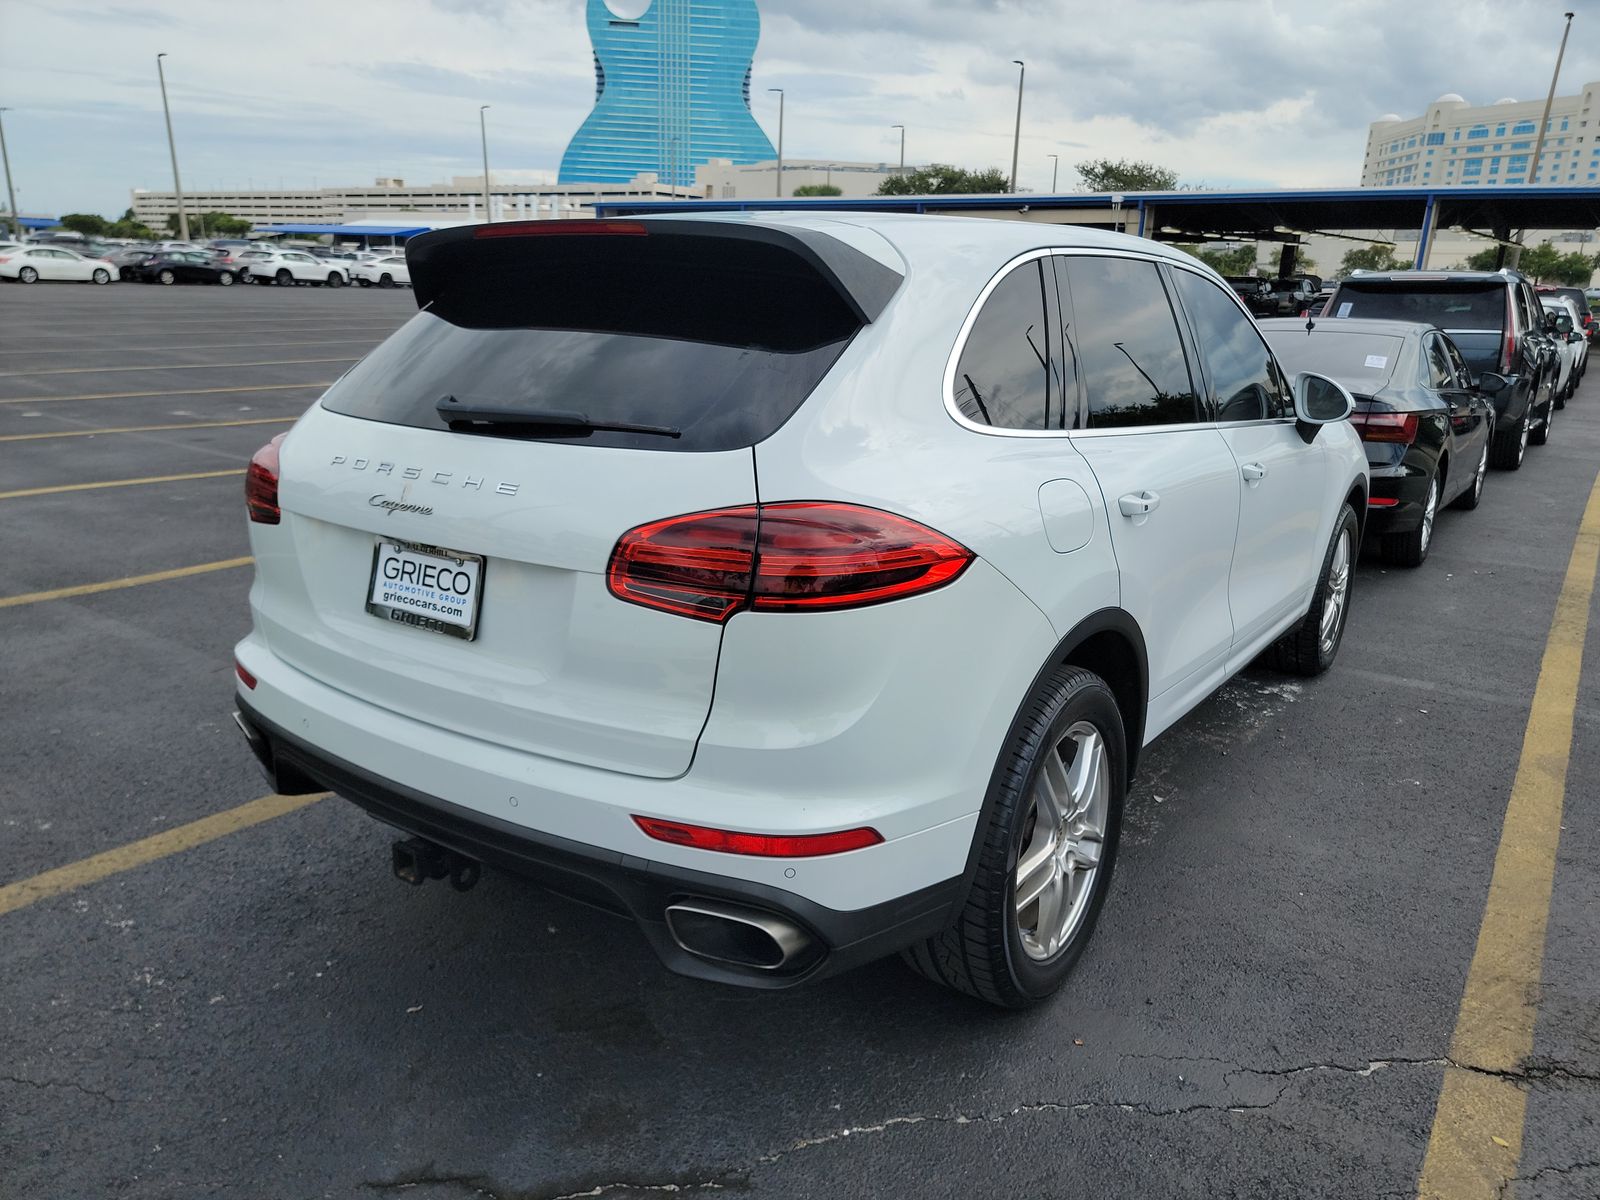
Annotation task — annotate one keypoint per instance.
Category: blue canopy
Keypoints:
(348, 230)
(36, 222)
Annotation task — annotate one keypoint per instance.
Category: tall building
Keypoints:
(1455, 143)
(672, 89)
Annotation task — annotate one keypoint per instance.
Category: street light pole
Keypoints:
(483, 134)
(1055, 166)
(11, 195)
(1016, 137)
(780, 140)
(172, 146)
(902, 130)
(1544, 123)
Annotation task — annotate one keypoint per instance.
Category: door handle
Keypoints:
(1138, 504)
(1253, 472)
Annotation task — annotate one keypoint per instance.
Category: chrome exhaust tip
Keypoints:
(741, 937)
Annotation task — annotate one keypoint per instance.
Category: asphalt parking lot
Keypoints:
(1267, 1010)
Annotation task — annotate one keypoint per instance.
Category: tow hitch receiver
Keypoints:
(417, 860)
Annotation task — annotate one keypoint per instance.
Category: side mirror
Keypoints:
(1319, 401)
(1489, 383)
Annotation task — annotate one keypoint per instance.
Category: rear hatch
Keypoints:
(565, 382)
(1472, 312)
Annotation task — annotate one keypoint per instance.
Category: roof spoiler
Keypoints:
(444, 259)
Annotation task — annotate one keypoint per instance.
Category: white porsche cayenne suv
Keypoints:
(802, 586)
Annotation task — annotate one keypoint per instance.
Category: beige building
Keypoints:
(1457, 144)
(721, 179)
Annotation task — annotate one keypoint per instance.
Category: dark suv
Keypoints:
(1497, 322)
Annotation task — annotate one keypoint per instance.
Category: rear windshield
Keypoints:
(1363, 362)
(1444, 306)
(721, 345)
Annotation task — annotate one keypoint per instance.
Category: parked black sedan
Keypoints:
(1424, 418)
(183, 266)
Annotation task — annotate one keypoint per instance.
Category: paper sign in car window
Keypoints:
(1344, 309)
(1377, 361)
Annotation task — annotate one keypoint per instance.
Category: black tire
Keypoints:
(386, 280)
(1410, 549)
(225, 279)
(284, 278)
(1541, 435)
(1473, 496)
(366, 283)
(27, 275)
(101, 275)
(1508, 448)
(166, 278)
(1301, 651)
(982, 952)
(335, 280)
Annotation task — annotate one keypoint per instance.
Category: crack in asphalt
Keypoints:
(1528, 1073)
(1570, 1168)
(482, 1185)
(59, 1083)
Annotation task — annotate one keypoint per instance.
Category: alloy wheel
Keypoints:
(167, 277)
(1483, 471)
(1062, 843)
(1338, 590)
(28, 275)
(1429, 511)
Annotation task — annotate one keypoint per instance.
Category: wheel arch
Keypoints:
(1356, 498)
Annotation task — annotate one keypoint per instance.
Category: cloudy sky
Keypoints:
(303, 92)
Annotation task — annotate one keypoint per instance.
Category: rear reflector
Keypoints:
(261, 484)
(804, 556)
(762, 845)
(1382, 502)
(1387, 427)
(574, 228)
(245, 677)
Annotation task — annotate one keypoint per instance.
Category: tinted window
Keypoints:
(1458, 363)
(1244, 386)
(1128, 346)
(1480, 307)
(722, 341)
(1441, 374)
(1009, 374)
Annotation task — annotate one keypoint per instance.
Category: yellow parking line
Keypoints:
(286, 362)
(39, 437)
(217, 391)
(1477, 1128)
(115, 483)
(147, 850)
(112, 585)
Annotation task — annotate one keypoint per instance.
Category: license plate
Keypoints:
(426, 587)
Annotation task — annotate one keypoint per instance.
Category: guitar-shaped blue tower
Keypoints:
(672, 89)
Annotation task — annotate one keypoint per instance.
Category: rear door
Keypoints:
(713, 346)
(1282, 480)
(1170, 486)
(1470, 417)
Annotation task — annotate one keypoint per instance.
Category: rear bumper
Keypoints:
(1396, 504)
(621, 883)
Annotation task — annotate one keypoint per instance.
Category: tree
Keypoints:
(1238, 261)
(226, 225)
(939, 179)
(129, 226)
(1540, 262)
(818, 189)
(1486, 259)
(88, 224)
(1370, 258)
(1575, 269)
(1125, 175)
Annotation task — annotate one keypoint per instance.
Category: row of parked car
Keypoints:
(223, 262)
(1452, 373)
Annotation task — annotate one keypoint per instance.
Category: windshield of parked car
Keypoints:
(1448, 306)
(1363, 362)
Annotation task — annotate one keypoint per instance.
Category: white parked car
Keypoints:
(30, 264)
(289, 267)
(384, 272)
(806, 588)
(1572, 345)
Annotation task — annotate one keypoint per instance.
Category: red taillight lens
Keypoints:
(261, 484)
(561, 229)
(1382, 502)
(763, 845)
(1387, 427)
(245, 677)
(806, 555)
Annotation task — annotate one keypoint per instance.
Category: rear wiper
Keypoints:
(463, 418)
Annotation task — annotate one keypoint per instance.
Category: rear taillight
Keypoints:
(245, 677)
(1508, 348)
(763, 845)
(261, 484)
(1387, 427)
(805, 556)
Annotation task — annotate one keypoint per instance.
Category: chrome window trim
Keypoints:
(971, 319)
